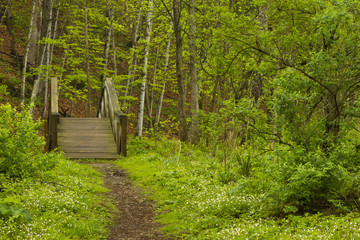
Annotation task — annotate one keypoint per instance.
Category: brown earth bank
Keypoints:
(134, 216)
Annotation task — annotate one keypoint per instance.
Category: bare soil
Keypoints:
(134, 216)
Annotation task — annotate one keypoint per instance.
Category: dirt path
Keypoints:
(135, 217)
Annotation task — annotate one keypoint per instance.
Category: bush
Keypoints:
(21, 148)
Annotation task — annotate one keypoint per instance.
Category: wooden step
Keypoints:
(86, 138)
(72, 155)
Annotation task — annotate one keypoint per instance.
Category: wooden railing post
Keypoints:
(54, 116)
(123, 136)
(109, 107)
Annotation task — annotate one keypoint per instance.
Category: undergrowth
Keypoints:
(203, 194)
(44, 195)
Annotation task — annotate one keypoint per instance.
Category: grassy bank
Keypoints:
(200, 198)
(44, 195)
(64, 203)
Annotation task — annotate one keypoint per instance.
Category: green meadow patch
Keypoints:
(199, 198)
(64, 203)
(44, 195)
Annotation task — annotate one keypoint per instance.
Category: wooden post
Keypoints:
(53, 122)
(109, 107)
(123, 123)
(54, 116)
(118, 135)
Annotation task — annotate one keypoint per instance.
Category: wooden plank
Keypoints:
(67, 140)
(84, 127)
(88, 137)
(72, 144)
(77, 138)
(84, 119)
(92, 155)
(89, 149)
(81, 144)
(86, 132)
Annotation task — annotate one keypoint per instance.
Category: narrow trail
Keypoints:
(134, 217)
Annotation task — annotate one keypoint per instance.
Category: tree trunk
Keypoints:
(133, 59)
(194, 128)
(107, 45)
(4, 8)
(179, 71)
(55, 30)
(114, 52)
(167, 56)
(45, 31)
(37, 82)
(35, 35)
(23, 82)
(87, 59)
(140, 121)
(150, 98)
(48, 61)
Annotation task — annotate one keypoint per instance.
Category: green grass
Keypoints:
(195, 202)
(64, 203)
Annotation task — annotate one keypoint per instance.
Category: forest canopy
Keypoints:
(273, 85)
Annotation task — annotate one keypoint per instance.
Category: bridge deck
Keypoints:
(86, 138)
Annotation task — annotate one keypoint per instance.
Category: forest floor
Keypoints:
(134, 217)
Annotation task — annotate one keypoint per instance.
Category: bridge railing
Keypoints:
(109, 108)
(54, 116)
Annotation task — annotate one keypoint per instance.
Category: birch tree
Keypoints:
(133, 58)
(167, 56)
(37, 82)
(23, 82)
(140, 119)
(107, 44)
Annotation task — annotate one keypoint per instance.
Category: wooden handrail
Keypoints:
(109, 107)
(53, 114)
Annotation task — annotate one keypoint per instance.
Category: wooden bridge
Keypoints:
(103, 137)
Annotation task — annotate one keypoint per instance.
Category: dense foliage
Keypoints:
(201, 198)
(45, 196)
(277, 89)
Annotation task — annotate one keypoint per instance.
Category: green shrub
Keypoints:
(21, 148)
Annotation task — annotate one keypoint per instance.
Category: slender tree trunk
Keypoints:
(179, 71)
(47, 8)
(87, 59)
(6, 12)
(37, 82)
(48, 63)
(152, 87)
(64, 57)
(35, 36)
(114, 52)
(107, 45)
(194, 128)
(55, 30)
(140, 121)
(46, 81)
(167, 55)
(23, 82)
(133, 59)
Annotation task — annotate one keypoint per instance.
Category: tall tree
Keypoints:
(86, 29)
(167, 56)
(194, 127)
(27, 49)
(140, 121)
(133, 59)
(44, 50)
(179, 71)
